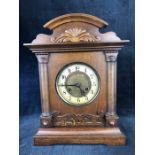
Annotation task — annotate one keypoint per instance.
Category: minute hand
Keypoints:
(75, 85)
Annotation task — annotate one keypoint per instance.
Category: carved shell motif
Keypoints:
(75, 35)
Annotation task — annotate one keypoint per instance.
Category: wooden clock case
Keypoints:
(76, 38)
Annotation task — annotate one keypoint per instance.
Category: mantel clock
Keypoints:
(77, 71)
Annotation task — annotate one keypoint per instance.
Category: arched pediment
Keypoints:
(75, 17)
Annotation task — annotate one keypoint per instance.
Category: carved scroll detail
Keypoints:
(75, 35)
(70, 119)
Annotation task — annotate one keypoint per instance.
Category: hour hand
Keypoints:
(82, 91)
(78, 85)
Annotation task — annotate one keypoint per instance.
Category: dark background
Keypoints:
(35, 13)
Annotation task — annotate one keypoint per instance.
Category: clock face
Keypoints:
(77, 84)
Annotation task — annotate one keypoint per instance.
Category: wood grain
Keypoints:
(109, 136)
(75, 17)
(97, 61)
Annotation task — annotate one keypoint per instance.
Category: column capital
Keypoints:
(111, 56)
(42, 58)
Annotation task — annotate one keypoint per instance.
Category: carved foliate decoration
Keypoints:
(70, 119)
(75, 35)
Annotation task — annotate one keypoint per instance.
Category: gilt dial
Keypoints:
(77, 84)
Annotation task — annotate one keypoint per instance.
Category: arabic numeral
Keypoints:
(64, 92)
(69, 98)
(69, 70)
(78, 100)
(94, 84)
(77, 68)
(91, 76)
(63, 77)
(86, 98)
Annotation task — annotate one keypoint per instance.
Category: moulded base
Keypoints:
(87, 135)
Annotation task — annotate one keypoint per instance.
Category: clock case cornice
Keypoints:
(75, 47)
(74, 32)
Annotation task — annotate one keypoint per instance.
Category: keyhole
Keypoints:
(86, 89)
(69, 89)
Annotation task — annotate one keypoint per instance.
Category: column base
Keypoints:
(45, 121)
(111, 120)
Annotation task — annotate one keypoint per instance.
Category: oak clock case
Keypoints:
(77, 71)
